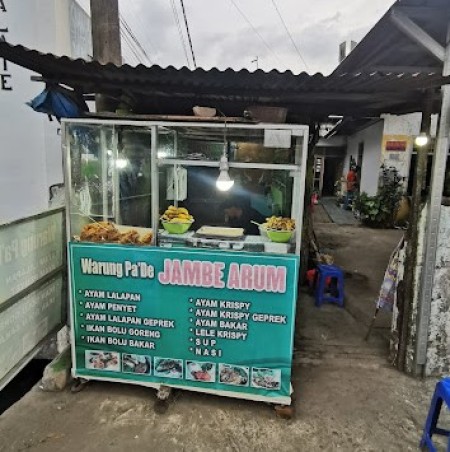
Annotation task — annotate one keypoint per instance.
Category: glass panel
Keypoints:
(90, 191)
(110, 170)
(110, 175)
(256, 194)
(134, 175)
(242, 144)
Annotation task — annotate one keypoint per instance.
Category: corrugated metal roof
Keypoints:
(170, 90)
(387, 49)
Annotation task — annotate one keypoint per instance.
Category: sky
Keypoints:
(222, 37)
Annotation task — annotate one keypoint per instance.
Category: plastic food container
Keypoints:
(176, 228)
(279, 236)
(262, 230)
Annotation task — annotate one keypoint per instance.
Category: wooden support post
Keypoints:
(307, 230)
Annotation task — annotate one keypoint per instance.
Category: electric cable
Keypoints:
(130, 43)
(135, 39)
(126, 40)
(131, 47)
(188, 34)
(257, 33)
(140, 26)
(180, 31)
(289, 34)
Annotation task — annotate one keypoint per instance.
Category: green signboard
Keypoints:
(29, 250)
(218, 322)
(26, 323)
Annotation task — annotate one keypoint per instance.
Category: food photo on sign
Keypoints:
(200, 371)
(168, 368)
(103, 360)
(136, 364)
(234, 375)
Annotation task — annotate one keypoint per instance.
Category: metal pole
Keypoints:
(69, 192)
(104, 172)
(175, 172)
(116, 179)
(299, 187)
(433, 218)
(154, 183)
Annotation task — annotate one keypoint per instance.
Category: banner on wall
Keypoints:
(396, 143)
(31, 288)
(29, 250)
(26, 323)
(213, 322)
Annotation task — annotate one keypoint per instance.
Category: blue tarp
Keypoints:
(58, 102)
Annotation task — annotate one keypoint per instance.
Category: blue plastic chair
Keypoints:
(441, 394)
(332, 292)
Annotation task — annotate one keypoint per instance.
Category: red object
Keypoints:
(396, 145)
(311, 278)
(351, 180)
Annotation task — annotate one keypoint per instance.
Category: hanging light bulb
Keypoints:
(121, 163)
(224, 182)
(421, 140)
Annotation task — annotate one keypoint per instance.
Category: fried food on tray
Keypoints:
(131, 236)
(147, 238)
(280, 223)
(177, 215)
(98, 232)
(106, 232)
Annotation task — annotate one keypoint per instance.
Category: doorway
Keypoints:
(332, 173)
(359, 161)
(412, 170)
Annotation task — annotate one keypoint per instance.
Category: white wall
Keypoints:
(30, 156)
(407, 126)
(372, 137)
(438, 356)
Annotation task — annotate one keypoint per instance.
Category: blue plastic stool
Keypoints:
(323, 291)
(441, 394)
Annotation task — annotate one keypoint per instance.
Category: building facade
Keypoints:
(30, 148)
(387, 141)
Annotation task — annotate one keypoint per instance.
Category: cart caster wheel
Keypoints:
(78, 385)
(162, 399)
(284, 411)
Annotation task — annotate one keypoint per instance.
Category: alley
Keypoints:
(363, 253)
(346, 395)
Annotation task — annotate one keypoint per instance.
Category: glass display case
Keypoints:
(132, 173)
(165, 202)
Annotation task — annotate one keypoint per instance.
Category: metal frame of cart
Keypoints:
(297, 169)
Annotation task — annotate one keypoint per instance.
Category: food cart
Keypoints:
(176, 277)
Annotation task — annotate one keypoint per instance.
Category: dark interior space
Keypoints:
(412, 169)
(204, 200)
(331, 174)
(22, 383)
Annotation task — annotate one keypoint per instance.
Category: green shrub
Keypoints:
(378, 211)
